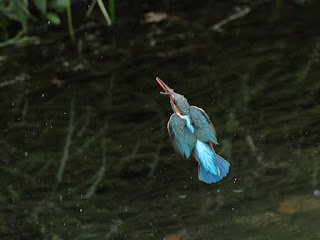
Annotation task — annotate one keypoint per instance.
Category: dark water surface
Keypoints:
(95, 105)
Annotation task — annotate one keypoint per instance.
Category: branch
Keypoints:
(68, 143)
(99, 176)
(155, 162)
(217, 27)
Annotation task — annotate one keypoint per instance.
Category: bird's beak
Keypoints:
(168, 91)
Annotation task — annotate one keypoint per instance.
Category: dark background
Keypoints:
(84, 150)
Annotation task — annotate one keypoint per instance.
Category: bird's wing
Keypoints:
(183, 139)
(203, 127)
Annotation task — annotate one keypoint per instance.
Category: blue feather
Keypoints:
(207, 177)
(212, 167)
(181, 133)
(188, 122)
(206, 157)
(203, 126)
(223, 165)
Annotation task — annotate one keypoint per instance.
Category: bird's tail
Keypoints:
(212, 167)
(222, 167)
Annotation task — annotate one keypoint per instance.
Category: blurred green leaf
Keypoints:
(91, 8)
(69, 15)
(112, 9)
(41, 5)
(104, 12)
(58, 5)
(17, 10)
(52, 17)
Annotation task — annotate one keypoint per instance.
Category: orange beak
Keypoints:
(168, 91)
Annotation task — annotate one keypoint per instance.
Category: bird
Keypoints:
(192, 133)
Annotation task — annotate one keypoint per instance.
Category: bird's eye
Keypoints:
(173, 101)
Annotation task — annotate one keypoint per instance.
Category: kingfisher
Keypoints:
(192, 132)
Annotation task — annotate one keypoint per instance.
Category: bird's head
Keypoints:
(178, 102)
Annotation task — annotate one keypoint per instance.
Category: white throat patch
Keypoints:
(188, 121)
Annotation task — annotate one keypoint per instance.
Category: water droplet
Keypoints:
(237, 190)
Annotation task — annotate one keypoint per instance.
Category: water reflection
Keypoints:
(98, 117)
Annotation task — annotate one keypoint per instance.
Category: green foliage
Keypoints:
(42, 6)
(50, 10)
(104, 10)
(16, 10)
(112, 7)
(52, 17)
(58, 5)
(68, 7)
